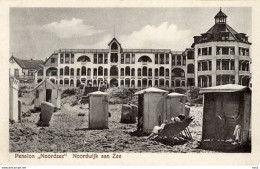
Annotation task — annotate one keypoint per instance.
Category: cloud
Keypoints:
(164, 36)
(71, 28)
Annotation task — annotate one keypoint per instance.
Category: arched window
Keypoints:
(89, 72)
(78, 82)
(150, 83)
(156, 72)
(83, 71)
(127, 71)
(71, 83)
(139, 72)
(83, 58)
(167, 83)
(144, 59)
(190, 68)
(100, 71)
(150, 72)
(122, 72)
(156, 83)
(122, 83)
(161, 71)
(127, 82)
(114, 71)
(78, 71)
(139, 83)
(114, 46)
(95, 72)
(133, 83)
(95, 82)
(133, 72)
(71, 71)
(61, 82)
(67, 70)
(178, 72)
(144, 71)
(52, 71)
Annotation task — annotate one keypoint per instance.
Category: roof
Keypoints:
(223, 88)
(217, 28)
(28, 64)
(114, 39)
(220, 14)
(44, 81)
(98, 93)
(175, 94)
(151, 90)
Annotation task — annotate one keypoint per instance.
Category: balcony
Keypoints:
(24, 77)
(228, 72)
(150, 77)
(132, 77)
(114, 63)
(139, 77)
(144, 63)
(113, 77)
(204, 72)
(244, 73)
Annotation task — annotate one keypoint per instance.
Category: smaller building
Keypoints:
(47, 91)
(222, 104)
(151, 108)
(14, 105)
(24, 70)
(175, 105)
(98, 110)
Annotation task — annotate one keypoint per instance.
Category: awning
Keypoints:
(223, 88)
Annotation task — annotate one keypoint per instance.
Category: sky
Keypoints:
(36, 32)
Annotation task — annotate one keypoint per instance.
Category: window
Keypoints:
(67, 58)
(162, 58)
(156, 72)
(173, 60)
(95, 58)
(167, 72)
(139, 72)
(100, 58)
(30, 73)
(95, 71)
(156, 58)
(89, 72)
(225, 51)
(100, 71)
(105, 58)
(72, 58)
(133, 58)
(179, 60)
(127, 71)
(67, 70)
(150, 72)
(71, 71)
(122, 72)
(122, 58)
(127, 58)
(78, 71)
(133, 72)
(199, 52)
(184, 60)
(167, 58)
(52, 60)
(61, 58)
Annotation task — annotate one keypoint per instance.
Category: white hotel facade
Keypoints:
(219, 56)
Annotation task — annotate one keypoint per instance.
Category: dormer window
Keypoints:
(114, 46)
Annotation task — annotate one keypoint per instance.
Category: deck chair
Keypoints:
(177, 129)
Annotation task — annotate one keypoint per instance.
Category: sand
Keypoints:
(69, 132)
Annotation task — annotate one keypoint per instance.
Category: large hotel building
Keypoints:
(219, 56)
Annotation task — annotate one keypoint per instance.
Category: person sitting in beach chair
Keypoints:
(157, 129)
